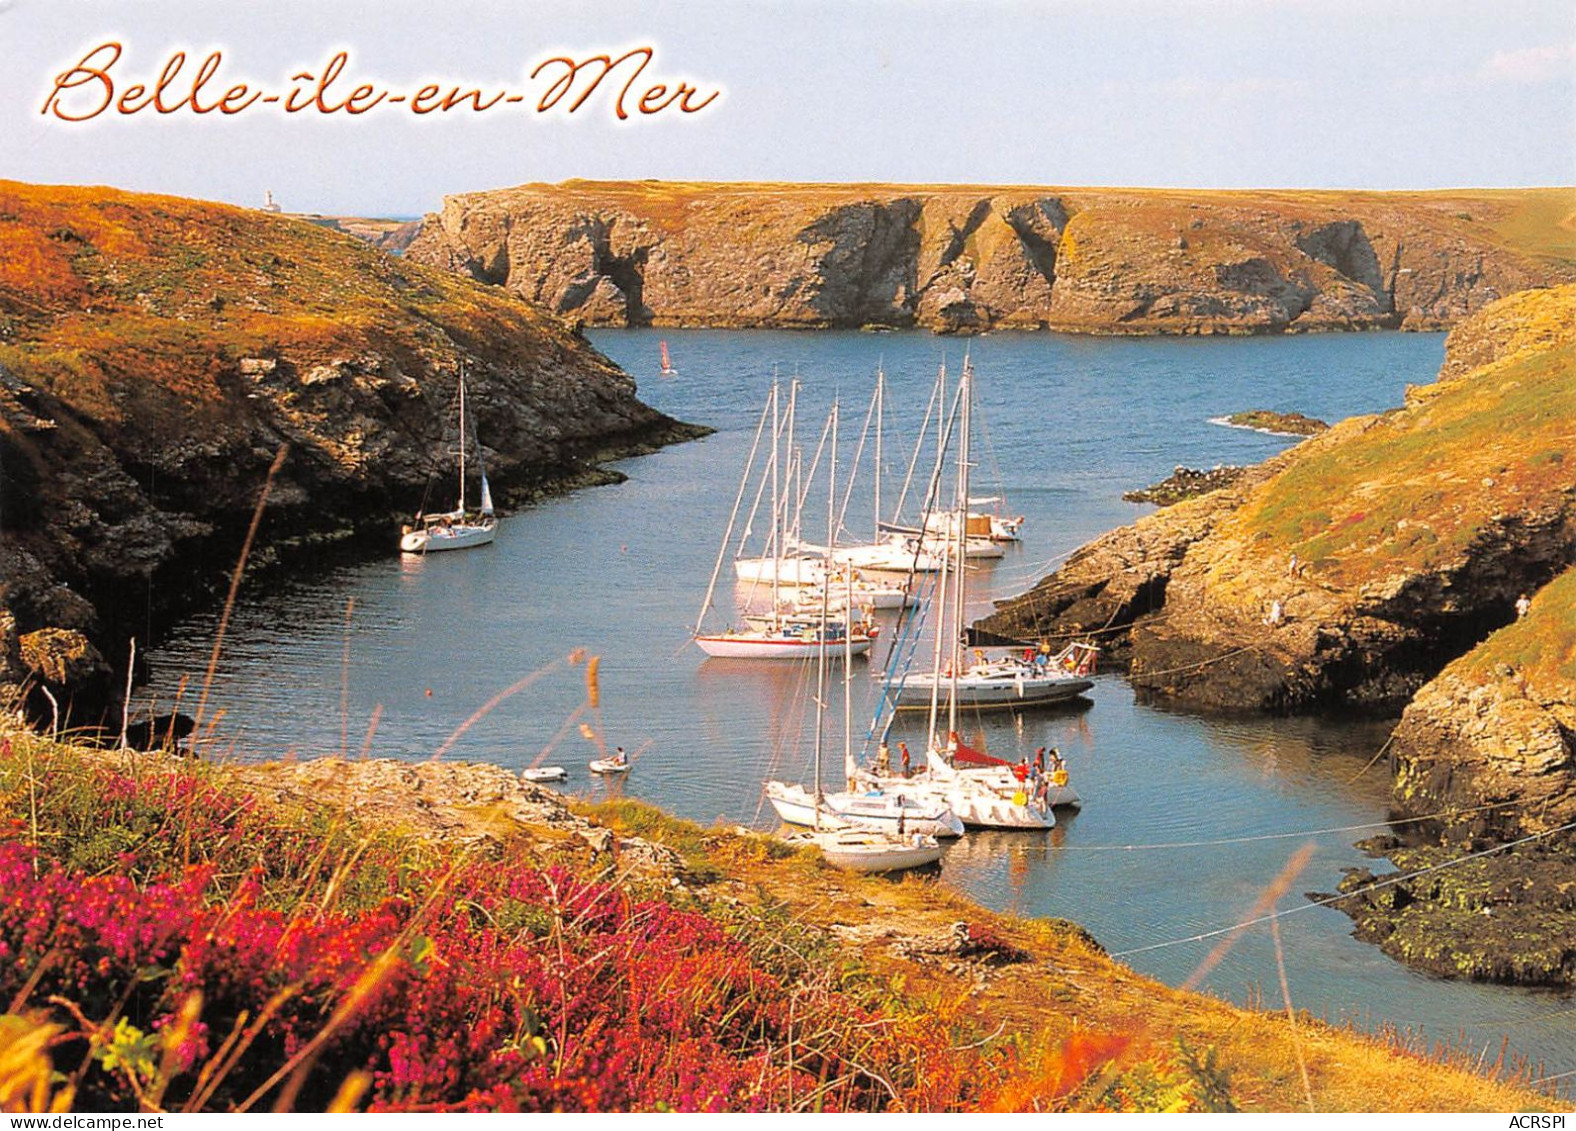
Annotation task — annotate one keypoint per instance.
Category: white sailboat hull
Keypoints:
(978, 804)
(1001, 779)
(982, 549)
(999, 529)
(787, 571)
(460, 536)
(866, 596)
(887, 557)
(990, 690)
(1006, 529)
(796, 806)
(856, 850)
(989, 811)
(763, 646)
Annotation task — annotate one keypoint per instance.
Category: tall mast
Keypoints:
(738, 501)
(777, 519)
(820, 652)
(848, 622)
(942, 577)
(959, 538)
(880, 402)
(461, 507)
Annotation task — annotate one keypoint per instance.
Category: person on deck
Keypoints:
(1039, 760)
(903, 750)
(883, 758)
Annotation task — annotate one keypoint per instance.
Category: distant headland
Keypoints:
(963, 259)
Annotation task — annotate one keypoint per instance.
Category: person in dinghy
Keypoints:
(617, 764)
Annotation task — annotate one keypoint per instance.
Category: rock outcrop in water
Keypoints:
(960, 259)
(155, 354)
(1277, 423)
(1185, 483)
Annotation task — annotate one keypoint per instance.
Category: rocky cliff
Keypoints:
(1495, 732)
(1485, 759)
(155, 354)
(958, 258)
(1389, 544)
(1379, 566)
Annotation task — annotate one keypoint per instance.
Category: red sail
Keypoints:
(967, 756)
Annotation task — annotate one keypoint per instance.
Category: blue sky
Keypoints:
(1192, 93)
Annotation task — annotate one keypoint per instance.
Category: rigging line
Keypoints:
(859, 452)
(990, 450)
(906, 640)
(809, 479)
(1517, 1022)
(1389, 881)
(936, 404)
(768, 473)
(1372, 760)
(1279, 836)
(1037, 570)
(1201, 665)
(722, 551)
(901, 654)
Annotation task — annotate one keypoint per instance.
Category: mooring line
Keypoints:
(1278, 836)
(1389, 881)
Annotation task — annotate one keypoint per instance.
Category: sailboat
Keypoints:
(667, 362)
(999, 681)
(983, 792)
(775, 635)
(458, 529)
(995, 525)
(1005, 681)
(870, 832)
(896, 548)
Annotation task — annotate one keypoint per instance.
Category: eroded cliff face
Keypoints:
(1495, 732)
(1485, 761)
(155, 353)
(963, 259)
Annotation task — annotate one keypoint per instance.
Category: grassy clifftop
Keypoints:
(1410, 491)
(107, 297)
(155, 354)
(438, 937)
(1540, 647)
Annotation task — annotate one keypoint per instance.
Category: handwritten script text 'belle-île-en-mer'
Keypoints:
(93, 87)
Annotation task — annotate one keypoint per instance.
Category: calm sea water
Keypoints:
(1068, 425)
